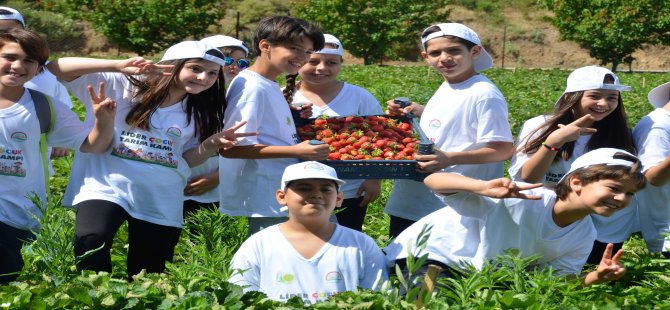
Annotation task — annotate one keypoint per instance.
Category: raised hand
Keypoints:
(227, 138)
(139, 65)
(506, 188)
(104, 108)
(609, 269)
(571, 132)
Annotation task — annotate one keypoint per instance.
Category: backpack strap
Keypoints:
(46, 117)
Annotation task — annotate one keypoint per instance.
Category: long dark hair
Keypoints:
(206, 108)
(612, 131)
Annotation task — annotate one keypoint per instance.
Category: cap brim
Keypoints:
(660, 95)
(484, 61)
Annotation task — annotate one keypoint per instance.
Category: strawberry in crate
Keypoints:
(363, 137)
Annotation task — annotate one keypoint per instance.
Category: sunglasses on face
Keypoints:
(241, 62)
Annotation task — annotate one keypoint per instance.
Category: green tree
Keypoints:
(369, 28)
(612, 29)
(145, 26)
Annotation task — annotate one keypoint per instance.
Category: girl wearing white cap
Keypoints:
(319, 86)
(589, 115)
(168, 118)
(466, 118)
(652, 139)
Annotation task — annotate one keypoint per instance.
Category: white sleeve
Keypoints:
(572, 262)
(652, 143)
(245, 268)
(368, 104)
(375, 271)
(68, 131)
(244, 106)
(520, 157)
(492, 119)
(470, 205)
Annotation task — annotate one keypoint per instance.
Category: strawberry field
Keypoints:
(196, 278)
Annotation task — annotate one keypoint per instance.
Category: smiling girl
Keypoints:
(589, 115)
(168, 118)
(249, 173)
(319, 86)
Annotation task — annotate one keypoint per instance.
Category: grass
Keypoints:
(196, 277)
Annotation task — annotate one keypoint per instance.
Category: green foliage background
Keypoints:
(196, 278)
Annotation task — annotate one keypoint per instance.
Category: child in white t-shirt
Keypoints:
(202, 188)
(589, 115)
(319, 86)
(169, 118)
(557, 226)
(22, 55)
(466, 119)
(652, 139)
(308, 256)
(248, 174)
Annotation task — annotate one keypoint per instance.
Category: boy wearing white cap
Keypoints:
(308, 256)
(589, 114)
(553, 224)
(652, 139)
(466, 119)
(169, 118)
(329, 96)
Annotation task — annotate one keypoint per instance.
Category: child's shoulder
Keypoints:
(347, 236)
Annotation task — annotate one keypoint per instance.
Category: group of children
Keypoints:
(205, 121)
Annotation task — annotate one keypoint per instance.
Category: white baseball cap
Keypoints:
(483, 62)
(592, 77)
(602, 156)
(331, 39)
(309, 170)
(660, 95)
(193, 49)
(13, 15)
(223, 41)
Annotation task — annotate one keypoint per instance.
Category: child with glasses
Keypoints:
(486, 218)
(249, 173)
(319, 86)
(200, 191)
(466, 119)
(652, 139)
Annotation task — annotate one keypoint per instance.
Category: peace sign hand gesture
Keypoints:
(609, 269)
(571, 132)
(139, 65)
(227, 138)
(506, 188)
(104, 108)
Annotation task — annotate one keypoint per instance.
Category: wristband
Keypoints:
(551, 148)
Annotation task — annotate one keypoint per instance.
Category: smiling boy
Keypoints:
(308, 256)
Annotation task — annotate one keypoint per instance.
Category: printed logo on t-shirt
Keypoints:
(140, 147)
(285, 278)
(11, 162)
(289, 120)
(19, 136)
(434, 124)
(307, 297)
(173, 132)
(551, 177)
(333, 276)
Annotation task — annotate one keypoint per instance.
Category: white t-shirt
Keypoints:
(459, 117)
(48, 84)
(652, 140)
(209, 166)
(144, 171)
(247, 186)
(21, 170)
(351, 100)
(476, 229)
(615, 228)
(270, 264)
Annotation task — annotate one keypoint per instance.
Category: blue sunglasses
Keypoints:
(241, 62)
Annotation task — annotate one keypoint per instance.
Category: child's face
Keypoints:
(197, 75)
(604, 197)
(310, 198)
(231, 71)
(16, 67)
(321, 69)
(598, 102)
(289, 57)
(451, 58)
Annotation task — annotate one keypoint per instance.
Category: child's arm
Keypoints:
(70, 68)
(394, 109)
(202, 184)
(659, 175)
(609, 268)
(372, 189)
(101, 135)
(224, 140)
(491, 152)
(445, 183)
(303, 150)
(534, 169)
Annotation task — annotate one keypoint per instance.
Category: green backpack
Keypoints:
(46, 117)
